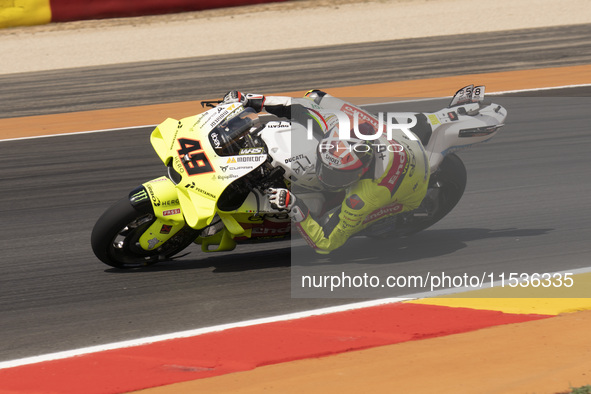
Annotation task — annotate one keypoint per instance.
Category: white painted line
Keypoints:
(76, 133)
(248, 323)
(196, 332)
(487, 94)
(365, 105)
(223, 327)
(540, 89)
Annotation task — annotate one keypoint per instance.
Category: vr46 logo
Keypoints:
(194, 163)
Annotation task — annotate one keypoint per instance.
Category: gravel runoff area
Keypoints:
(292, 24)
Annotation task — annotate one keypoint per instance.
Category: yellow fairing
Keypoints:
(186, 147)
(167, 209)
(223, 241)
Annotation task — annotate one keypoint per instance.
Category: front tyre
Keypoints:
(115, 238)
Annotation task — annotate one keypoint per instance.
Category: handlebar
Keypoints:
(210, 103)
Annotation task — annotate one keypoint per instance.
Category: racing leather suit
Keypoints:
(396, 181)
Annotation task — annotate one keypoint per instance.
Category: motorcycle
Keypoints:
(220, 162)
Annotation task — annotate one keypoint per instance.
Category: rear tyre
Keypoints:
(446, 187)
(449, 182)
(116, 234)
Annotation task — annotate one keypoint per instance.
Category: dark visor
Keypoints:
(335, 178)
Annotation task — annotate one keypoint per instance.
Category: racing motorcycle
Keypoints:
(220, 163)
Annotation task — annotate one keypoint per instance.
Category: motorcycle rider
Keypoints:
(370, 174)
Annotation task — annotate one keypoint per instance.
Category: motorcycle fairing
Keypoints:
(185, 145)
(467, 121)
(290, 149)
(167, 211)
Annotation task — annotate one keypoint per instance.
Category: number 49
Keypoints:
(194, 163)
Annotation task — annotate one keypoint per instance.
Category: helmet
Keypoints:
(340, 163)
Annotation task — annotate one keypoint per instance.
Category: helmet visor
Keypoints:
(337, 179)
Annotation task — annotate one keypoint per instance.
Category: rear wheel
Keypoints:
(446, 187)
(116, 234)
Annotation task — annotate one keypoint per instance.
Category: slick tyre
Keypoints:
(453, 178)
(116, 234)
(450, 179)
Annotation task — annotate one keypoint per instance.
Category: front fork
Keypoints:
(158, 197)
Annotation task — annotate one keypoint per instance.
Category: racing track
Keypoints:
(525, 209)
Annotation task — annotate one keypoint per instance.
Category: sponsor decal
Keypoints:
(153, 242)
(140, 196)
(241, 168)
(412, 162)
(250, 159)
(252, 151)
(245, 159)
(176, 132)
(200, 119)
(178, 166)
(355, 202)
(256, 218)
(268, 225)
(277, 125)
(401, 169)
(215, 139)
(258, 231)
(223, 115)
(270, 218)
(452, 115)
(298, 157)
(434, 120)
(170, 202)
(171, 212)
(229, 176)
(394, 176)
(155, 200)
(384, 211)
(331, 159)
(363, 117)
(193, 186)
(165, 229)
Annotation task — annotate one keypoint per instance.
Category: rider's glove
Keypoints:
(281, 199)
(254, 101)
(234, 96)
(284, 200)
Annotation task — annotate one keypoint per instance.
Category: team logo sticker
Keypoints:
(355, 202)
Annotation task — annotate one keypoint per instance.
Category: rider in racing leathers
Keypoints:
(380, 177)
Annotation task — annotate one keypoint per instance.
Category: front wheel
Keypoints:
(116, 234)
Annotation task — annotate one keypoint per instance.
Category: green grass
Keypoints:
(581, 390)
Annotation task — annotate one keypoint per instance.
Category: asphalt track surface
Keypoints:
(525, 208)
(197, 78)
